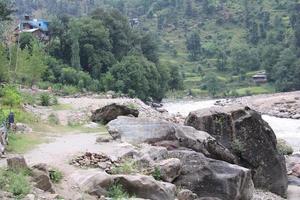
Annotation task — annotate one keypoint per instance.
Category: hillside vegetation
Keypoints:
(197, 47)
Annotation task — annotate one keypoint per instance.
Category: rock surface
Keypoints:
(154, 131)
(170, 169)
(97, 183)
(246, 134)
(17, 163)
(212, 178)
(111, 112)
(186, 195)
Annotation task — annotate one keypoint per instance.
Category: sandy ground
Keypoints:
(61, 150)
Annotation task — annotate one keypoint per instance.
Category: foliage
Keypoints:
(117, 192)
(10, 96)
(5, 10)
(15, 182)
(126, 167)
(53, 119)
(45, 99)
(136, 76)
(157, 174)
(55, 175)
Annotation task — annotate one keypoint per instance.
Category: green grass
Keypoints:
(16, 183)
(21, 143)
(126, 167)
(117, 192)
(20, 115)
(55, 176)
(253, 90)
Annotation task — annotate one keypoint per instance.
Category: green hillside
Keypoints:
(218, 45)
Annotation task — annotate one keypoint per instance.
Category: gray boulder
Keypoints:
(98, 183)
(146, 187)
(170, 169)
(213, 178)
(17, 163)
(186, 195)
(111, 112)
(249, 137)
(154, 131)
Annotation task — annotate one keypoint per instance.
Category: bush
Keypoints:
(15, 182)
(126, 167)
(116, 191)
(53, 119)
(69, 90)
(157, 174)
(55, 176)
(45, 99)
(10, 96)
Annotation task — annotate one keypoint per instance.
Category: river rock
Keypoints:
(186, 195)
(42, 180)
(146, 187)
(17, 163)
(248, 136)
(153, 131)
(111, 112)
(3, 139)
(22, 128)
(98, 183)
(213, 178)
(170, 169)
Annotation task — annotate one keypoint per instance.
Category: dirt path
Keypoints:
(62, 149)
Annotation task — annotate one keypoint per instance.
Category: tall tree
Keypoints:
(193, 45)
(75, 59)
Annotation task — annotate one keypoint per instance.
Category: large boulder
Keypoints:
(154, 131)
(98, 183)
(213, 178)
(146, 187)
(111, 112)
(248, 136)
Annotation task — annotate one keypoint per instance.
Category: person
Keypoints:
(11, 119)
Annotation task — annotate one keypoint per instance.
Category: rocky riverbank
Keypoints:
(223, 153)
(283, 105)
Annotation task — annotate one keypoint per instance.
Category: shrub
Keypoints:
(54, 100)
(69, 90)
(45, 99)
(28, 98)
(53, 119)
(126, 167)
(55, 176)
(15, 182)
(116, 191)
(157, 174)
(10, 96)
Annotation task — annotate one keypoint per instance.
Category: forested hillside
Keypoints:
(214, 46)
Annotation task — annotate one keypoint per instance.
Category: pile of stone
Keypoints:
(93, 160)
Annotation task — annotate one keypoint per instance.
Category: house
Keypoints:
(134, 22)
(38, 27)
(260, 78)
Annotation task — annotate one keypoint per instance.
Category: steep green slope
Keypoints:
(238, 38)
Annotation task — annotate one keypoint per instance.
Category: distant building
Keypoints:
(134, 22)
(260, 78)
(38, 27)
